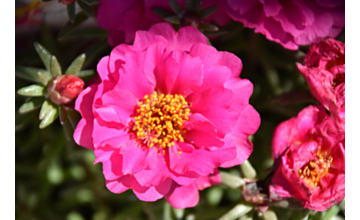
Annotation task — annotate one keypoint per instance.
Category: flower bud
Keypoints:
(62, 89)
(66, 1)
(190, 19)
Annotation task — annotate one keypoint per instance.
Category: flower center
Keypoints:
(339, 78)
(314, 170)
(159, 119)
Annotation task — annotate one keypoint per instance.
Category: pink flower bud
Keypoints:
(66, 1)
(63, 89)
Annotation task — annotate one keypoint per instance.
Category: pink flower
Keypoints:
(62, 89)
(123, 18)
(324, 70)
(66, 1)
(290, 23)
(165, 113)
(310, 157)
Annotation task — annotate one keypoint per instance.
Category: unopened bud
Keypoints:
(62, 89)
(66, 1)
(190, 19)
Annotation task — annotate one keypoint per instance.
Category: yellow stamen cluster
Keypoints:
(314, 170)
(159, 119)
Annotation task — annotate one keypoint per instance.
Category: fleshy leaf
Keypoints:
(208, 27)
(174, 19)
(236, 212)
(86, 74)
(71, 11)
(55, 68)
(49, 118)
(161, 12)
(248, 170)
(63, 114)
(43, 78)
(44, 54)
(69, 26)
(208, 11)
(31, 104)
(33, 90)
(175, 6)
(45, 109)
(231, 180)
(29, 73)
(86, 8)
(76, 65)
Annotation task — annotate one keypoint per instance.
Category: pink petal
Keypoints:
(150, 195)
(134, 157)
(206, 161)
(271, 7)
(111, 160)
(166, 72)
(132, 77)
(104, 135)
(83, 134)
(190, 75)
(181, 197)
(206, 181)
(116, 186)
(242, 90)
(214, 105)
(242, 6)
(122, 103)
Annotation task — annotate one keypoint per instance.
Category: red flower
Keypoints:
(324, 70)
(62, 89)
(310, 157)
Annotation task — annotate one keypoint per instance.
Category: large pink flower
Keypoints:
(324, 70)
(165, 113)
(123, 18)
(290, 22)
(310, 157)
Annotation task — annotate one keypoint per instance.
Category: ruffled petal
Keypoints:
(181, 197)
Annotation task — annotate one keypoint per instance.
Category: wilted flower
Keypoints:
(324, 70)
(123, 18)
(165, 113)
(309, 151)
(62, 89)
(290, 23)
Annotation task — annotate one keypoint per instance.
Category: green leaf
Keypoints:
(33, 90)
(49, 118)
(167, 211)
(270, 215)
(174, 19)
(334, 210)
(236, 212)
(161, 12)
(69, 26)
(63, 114)
(43, 78)
(55, 68)
(76, 65)
(90, 2)
(86, 74)
(214, 195)
(208, 11)
(45, 109)
(231, 180)
(179, 213)
(71, 11)
(208, 27)
(74, 117)
(86, 8)
(28, 73)
(44, 54)
(175, 6)
(247, 170)
(31, 104)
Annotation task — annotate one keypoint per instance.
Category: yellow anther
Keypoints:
(159, 119)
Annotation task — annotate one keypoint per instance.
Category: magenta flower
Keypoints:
(165, 113)
(310, 157)
(123, 18)
(324, 70)
(290, 23)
